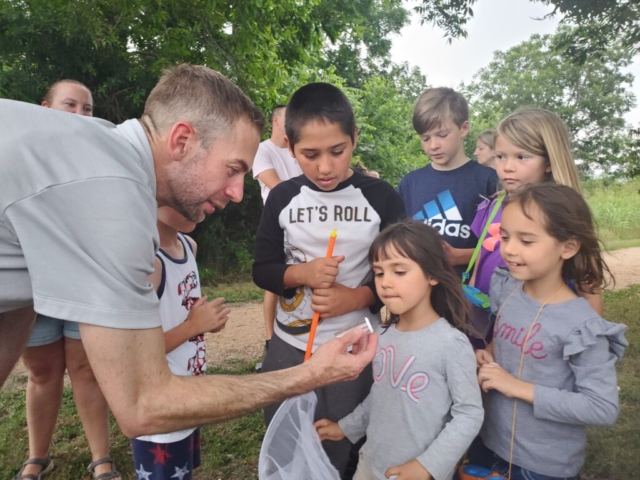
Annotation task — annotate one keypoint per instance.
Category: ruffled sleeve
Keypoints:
(501, 286)
(586, 336)
(591, 350)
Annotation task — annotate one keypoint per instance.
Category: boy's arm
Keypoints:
(338, 300)
(268, 258)
(269, 178)
(204, 317)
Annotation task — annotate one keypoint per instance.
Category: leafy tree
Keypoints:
(383, 107)
(363, 47)
(591, 98)
(268, 47)
(599, 23)
(120, 48)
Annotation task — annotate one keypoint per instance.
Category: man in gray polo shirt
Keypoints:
(78, 202)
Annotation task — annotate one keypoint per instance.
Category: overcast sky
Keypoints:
(496, 25)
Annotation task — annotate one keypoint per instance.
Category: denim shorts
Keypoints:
(48, 330)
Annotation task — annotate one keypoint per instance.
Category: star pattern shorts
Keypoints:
(166, 461)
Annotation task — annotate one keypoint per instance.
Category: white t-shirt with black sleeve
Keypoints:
(77, 217)
(295, 227)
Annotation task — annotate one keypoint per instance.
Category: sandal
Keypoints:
(107, 475)
(45, 463)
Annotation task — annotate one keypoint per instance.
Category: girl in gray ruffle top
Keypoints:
(552, 369)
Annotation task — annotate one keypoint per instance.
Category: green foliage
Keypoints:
(600, 24)
(362, 50)
(387, 142)
(449, 15)
(616, 208)
(612, 452)
(120, 48)
(234, 292)
(591, 98)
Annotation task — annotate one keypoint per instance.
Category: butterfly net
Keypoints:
(291, 449)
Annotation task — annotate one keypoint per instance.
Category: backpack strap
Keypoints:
(496, 206)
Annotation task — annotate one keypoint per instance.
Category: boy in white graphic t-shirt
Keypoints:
(185, 317)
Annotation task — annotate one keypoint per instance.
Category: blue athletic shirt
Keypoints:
(448, 200)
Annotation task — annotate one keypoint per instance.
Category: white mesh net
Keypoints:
(291, 449)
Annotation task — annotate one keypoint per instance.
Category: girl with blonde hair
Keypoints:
(532, 146)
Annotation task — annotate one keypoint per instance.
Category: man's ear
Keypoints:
(181, 140)
(570, 248)
(355, 137)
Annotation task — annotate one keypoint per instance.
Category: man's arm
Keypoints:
(147, 398)
(269, 178)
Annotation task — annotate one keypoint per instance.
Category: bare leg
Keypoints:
(44, 395)
(269, 311)
(15, 327)
(91, 404)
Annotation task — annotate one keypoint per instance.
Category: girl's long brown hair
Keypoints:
(567, 216)
(422, 244)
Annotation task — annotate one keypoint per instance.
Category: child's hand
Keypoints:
(493, 377)
(321, 272)
(483, 357)
(333, 301)
(208, 316)
(329, 430)
(412, 470)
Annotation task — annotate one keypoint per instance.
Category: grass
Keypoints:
(614, 452)
(235, 292)
(230, 450)
(616, 208)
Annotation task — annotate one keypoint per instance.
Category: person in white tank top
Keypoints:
(186, 316)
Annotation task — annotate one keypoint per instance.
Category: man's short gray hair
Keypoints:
(201, 96)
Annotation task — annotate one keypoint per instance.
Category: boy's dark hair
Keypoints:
(318, 102)
(436, 106)
(567, 216)
(422, 243)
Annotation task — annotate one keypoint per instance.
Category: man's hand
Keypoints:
(320, 272)
(332, 363)
(412, 470)
(493, 377)
(328, 430)
(338, 300)
(483, 357)
(208, 316)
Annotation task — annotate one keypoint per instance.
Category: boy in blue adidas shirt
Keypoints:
(446, 193)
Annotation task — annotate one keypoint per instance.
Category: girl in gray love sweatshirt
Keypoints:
(424, 408)
(552, 371)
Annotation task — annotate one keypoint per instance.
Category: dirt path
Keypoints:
(243, 337)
